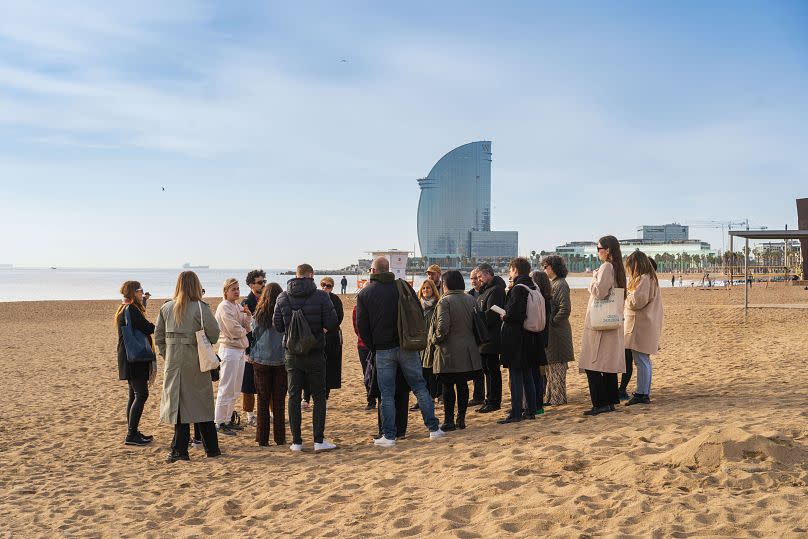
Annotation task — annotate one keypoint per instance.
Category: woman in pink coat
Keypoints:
(643, 321)
(602, 353)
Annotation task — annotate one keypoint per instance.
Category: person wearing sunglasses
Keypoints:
(256, 280)
(602, 351)
(333, 341)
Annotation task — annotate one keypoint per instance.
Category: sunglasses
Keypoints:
(602, 248)
(139, 290)
(261, 282)
(326, 285)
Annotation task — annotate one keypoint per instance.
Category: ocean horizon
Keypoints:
(60, 284)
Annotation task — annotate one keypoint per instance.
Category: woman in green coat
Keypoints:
(187, 391)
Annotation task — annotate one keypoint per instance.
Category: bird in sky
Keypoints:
(343, 60)
(164, 188)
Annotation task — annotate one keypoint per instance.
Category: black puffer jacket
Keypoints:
(377, 312)
(492, 293)
(302, 293)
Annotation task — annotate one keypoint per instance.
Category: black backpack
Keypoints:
(299, 339)
(411, 323)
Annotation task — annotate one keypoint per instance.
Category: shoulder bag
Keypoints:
(208, 360)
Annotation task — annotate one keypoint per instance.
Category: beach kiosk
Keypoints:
(398, 264)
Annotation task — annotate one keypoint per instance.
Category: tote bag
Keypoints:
(208, 360)
(137, 345)
(606, 314)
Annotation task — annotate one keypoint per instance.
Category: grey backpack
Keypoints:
(299, 339)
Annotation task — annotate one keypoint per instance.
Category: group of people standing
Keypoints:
(286, 346)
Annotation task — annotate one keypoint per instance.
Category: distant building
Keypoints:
(454, 210)
(651, 248)
(669, 232)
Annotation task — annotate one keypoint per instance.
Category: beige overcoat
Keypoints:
(187, 391)
(643, 313)
(602, 351)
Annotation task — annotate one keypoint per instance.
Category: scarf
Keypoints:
(427, 303)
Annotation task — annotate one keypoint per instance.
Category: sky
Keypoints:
(603, 116)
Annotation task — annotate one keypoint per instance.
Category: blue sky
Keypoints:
(603, 116)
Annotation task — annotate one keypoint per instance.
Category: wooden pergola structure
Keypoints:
(761, 235)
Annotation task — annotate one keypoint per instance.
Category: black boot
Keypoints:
(174, 456)
(448, 417)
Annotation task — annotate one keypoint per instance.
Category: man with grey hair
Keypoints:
(377, 325)
(478, 397)
(492, 292)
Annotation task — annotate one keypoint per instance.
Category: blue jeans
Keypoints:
(387, 362)
(643, 362)
(522, 380)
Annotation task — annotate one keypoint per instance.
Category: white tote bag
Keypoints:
(606, 314)
(208, 360)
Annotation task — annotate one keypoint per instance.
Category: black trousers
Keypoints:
(402, 402)
(539, 382)
(625, 378)
(302, 370)
(182, 436)
(602, 388)
(479, 387)
(522, 381)
(138, 395)
(493, 379)
(451, 397)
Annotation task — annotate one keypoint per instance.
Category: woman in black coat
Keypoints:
(137, 374)
(333, 341)
(520, 349)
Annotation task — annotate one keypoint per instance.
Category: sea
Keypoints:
(45, 284)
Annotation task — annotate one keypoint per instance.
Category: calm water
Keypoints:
(37, 284)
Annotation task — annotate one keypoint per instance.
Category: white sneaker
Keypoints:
(252, 420)
(325, 446)
(384, 442)
(436, 434)
(297, 448)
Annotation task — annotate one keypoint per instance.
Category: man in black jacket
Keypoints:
(478, 397)
(315, 305)
(377, 323)
(492, 293)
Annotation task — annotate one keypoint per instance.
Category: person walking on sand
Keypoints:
(377, 319)
(520, 347)
(560, 351)
(456, 355)
(270, 371)
(643, 325)
(306, 368)
(234, 322)
(333, 341)
(343, 285)
(256, 279)
(602, 351)
(139, 375)
(492, 294)
(673, 280)
(187, 392)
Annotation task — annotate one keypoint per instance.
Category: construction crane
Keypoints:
(725, 226)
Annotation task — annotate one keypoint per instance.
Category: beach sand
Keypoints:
(722, 450)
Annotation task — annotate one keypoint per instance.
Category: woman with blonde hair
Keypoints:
(429, 296)
(602, 355)
(187, 391)
(234, 322)
(139, 375)
(643, 325)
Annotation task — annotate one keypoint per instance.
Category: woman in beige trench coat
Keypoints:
(187, 391)
(643, 323)
(602, 353)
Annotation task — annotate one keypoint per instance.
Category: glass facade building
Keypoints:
(455, 204)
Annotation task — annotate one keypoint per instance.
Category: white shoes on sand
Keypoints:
(384, 442)
(437, 434)
(324, 446)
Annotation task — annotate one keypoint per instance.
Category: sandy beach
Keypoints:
(721, 451)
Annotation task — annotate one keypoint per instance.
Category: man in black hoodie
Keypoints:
(491, 293)
(315, 305)
(377, 323)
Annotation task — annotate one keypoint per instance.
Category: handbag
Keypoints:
(607, 314)
(137, 345)
(208, 360)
